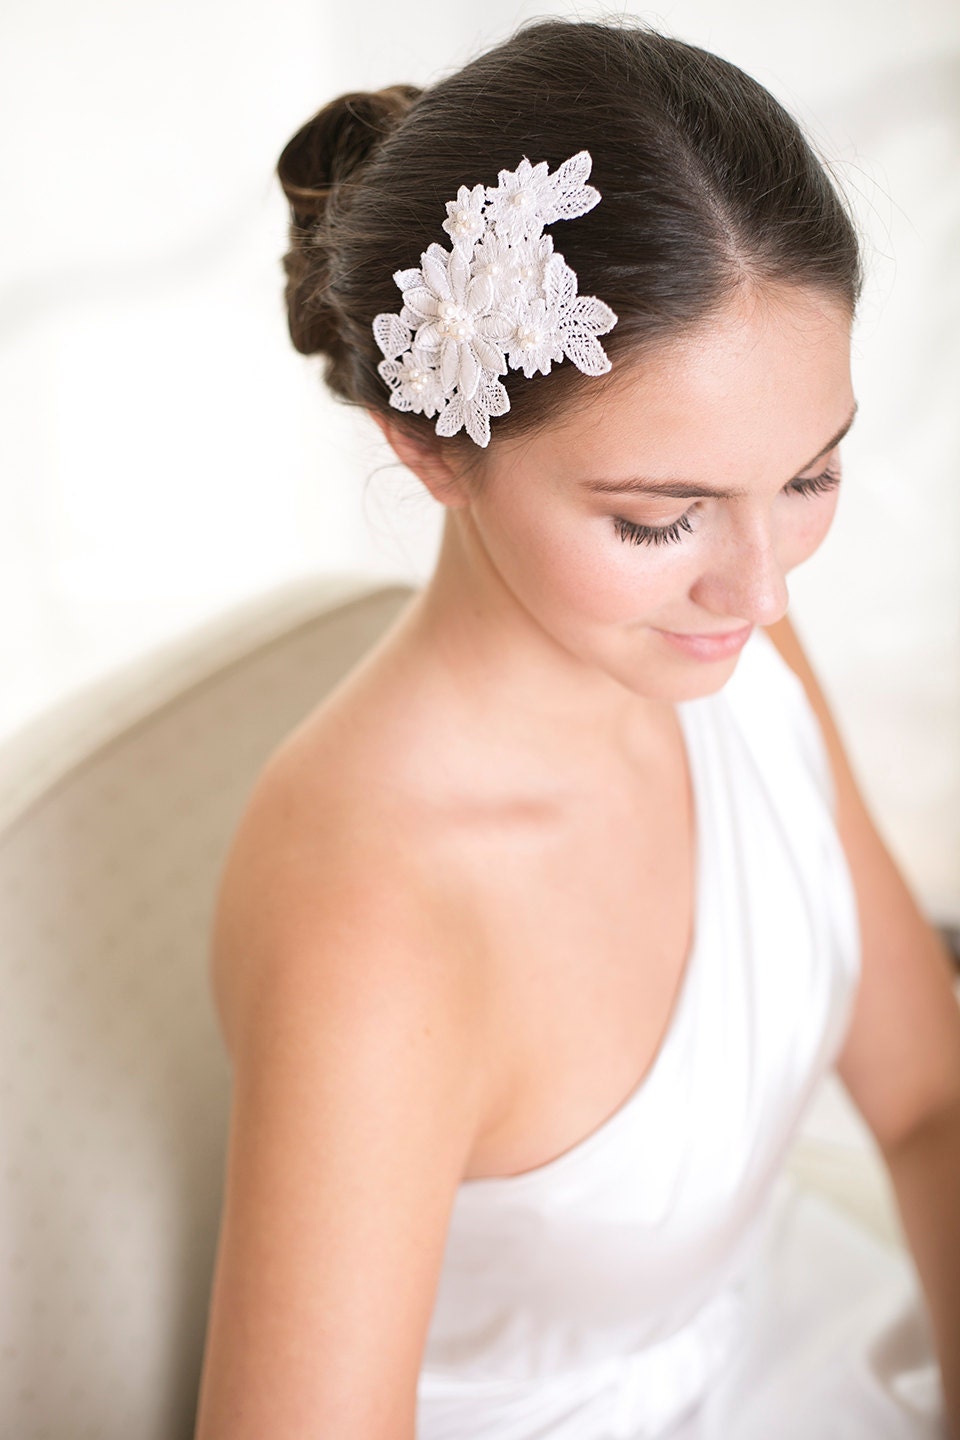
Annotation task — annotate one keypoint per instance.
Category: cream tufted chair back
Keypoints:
(115, 813)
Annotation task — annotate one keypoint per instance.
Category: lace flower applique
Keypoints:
(501, 296)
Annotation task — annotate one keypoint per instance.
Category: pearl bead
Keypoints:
(454, 322)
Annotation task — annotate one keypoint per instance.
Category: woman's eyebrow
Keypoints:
(684, 489)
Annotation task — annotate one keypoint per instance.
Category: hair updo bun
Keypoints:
(708, 185)
(316, 169)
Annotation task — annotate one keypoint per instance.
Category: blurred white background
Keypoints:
(164, 452)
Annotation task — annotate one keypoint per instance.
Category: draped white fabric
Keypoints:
(667, 1259)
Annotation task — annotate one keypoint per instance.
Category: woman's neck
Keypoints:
(509, 673)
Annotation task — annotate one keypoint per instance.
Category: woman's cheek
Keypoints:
(808, 532)
(617, 581)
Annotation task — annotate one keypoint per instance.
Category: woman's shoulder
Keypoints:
(337, 868)
(365, 779)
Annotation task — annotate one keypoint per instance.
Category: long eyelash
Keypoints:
(634, 534)
(816, 484)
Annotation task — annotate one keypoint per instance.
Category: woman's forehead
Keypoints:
(767, 381)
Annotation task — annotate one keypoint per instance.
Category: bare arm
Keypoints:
(925, 1171)
(901, 1058)
(353, 1112)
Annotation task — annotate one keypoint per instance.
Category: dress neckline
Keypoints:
(568, 1159)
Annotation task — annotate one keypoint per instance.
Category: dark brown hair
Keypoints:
(707, 182)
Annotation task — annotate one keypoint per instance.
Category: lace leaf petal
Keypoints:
(391, 335)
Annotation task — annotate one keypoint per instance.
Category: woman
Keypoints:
(537, 933)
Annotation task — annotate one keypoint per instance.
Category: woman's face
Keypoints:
(754, 403)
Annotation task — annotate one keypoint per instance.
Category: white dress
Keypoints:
(665, 1276)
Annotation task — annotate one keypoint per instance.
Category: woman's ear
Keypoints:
(426, 462)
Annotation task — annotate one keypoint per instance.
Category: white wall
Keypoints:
(165, 452)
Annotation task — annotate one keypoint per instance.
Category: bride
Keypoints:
(537, 933)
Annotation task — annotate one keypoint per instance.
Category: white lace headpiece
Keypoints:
(500, 296)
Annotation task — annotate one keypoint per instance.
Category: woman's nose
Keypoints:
(744, 578)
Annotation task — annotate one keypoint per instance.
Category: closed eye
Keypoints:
(635, 534)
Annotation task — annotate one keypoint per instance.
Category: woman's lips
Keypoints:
(708, 647)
